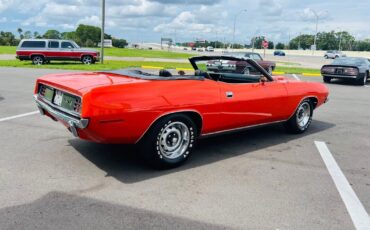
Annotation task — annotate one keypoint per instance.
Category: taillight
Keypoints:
(328, 69)
(350, 71)
(77, 106)
(42, 90)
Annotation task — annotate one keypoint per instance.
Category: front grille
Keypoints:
(60, 99)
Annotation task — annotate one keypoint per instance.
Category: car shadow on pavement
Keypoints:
(123, 163)
(57, 210)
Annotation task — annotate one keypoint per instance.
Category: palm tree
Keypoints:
(20, 33)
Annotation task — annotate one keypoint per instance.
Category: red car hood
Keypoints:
(82, 82)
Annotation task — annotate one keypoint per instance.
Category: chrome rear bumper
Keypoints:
(73, 123)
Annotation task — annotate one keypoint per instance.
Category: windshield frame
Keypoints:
(251, 62)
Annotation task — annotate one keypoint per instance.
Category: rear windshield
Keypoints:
(33, 44)
(349, 61)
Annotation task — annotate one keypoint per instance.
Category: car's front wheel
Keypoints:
(87, 60)
(327, 79)
(362, 80)
(38, 60)
(302, 118)
(269, 70)
(169, 141)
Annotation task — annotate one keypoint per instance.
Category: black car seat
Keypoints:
(164, 73)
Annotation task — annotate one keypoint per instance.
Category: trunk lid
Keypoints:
(82, 82)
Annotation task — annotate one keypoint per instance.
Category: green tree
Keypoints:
(20, 31)
(36, 35)
(303, 41)
(257, 42)
(119, 43)
(52, 34)
(280, 46)
(8, 39)
(27, 34)
(271, 45)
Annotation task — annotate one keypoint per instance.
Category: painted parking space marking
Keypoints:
(296, 77)
(19, 116)
(356, 210)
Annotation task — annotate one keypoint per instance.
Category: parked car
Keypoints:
(267, 65)
(42, 51)
(210, 49)
(194, 48)
(353, 68)
(279, 53)
(333, 54)
(132, 106)
(200, 49)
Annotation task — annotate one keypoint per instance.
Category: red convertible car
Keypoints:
(166, 113)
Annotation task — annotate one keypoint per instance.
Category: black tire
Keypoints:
(38, 60)
(326, 79)
(269, 70)
(295, 124)
(362, 80)
(153, 146)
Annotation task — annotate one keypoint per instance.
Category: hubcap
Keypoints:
(38, 60)
(174, 140)
(303, 114)
(86, 60)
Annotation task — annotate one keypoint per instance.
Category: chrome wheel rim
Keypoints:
(38, 60)
(303, 114)
(174, 140)
(87, 60)
(365, 80)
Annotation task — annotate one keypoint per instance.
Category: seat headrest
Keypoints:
(164, 73)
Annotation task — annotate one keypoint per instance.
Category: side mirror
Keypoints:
(70, 47)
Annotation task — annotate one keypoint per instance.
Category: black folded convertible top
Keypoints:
(135, 73)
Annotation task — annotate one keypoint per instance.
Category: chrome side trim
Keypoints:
(73, 123)
(165, 114)
(241, 128)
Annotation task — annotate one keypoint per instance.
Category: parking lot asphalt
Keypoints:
(256, 179)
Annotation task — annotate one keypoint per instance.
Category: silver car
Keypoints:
(333, 54)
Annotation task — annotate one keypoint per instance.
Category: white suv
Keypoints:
(333, 54)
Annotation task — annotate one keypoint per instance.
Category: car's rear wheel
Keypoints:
(38, 60)
(169, 142)
(327, 79)
(302, 118)
(87, 60)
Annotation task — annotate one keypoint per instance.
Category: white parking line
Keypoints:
(18, 116)
(356, 210)
(296, 77)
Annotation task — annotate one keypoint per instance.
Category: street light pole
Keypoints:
(236, 15)
(317, 24)
(102, 31)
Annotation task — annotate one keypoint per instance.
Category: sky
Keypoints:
(187, 20)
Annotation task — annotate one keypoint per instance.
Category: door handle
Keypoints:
(229, 94)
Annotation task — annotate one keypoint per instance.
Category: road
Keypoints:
(257, 179)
